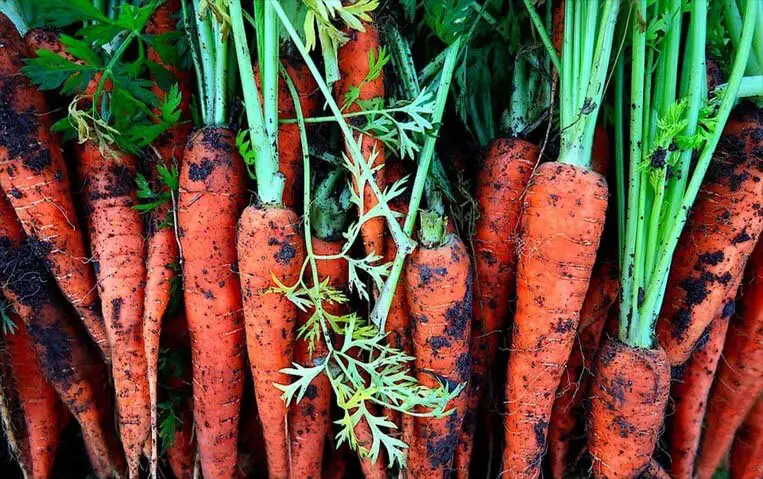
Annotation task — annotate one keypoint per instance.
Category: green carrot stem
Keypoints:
(552, 53)
(11, 9)
(432, 229)
(620, 157)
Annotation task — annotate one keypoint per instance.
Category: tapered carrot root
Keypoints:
(746, 458)
(602, 294)
(438, 283)
(739, 374)
(353, 60)
(310, 419)
(211, 197)
(722, 230)
(628, 398)
(270, 245)
(562, 221)
(35, 180)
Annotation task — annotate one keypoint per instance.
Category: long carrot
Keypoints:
(211, 197)
(738, 379)
(438, 282)
(602, 294)
(562, 222)
(628, 398)
(34, 177)
(64, 359)
(353, 60)
(722, 230)
(746, 458)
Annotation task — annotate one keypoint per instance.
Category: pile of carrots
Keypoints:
(412, 239)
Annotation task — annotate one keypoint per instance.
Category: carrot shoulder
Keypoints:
(211, 197)
(562, 221)
(746, 458)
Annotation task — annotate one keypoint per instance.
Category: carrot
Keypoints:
(722, 230)
(438, 282)
(353, 61)
(44, 415)
(211, 196)
(309, 420)
(628, 398)
(34, 177)
(562, 222)
(600, 157)
(64, 358)
(602, 294)
(746, 459)
(738, 379)
(269, 243)
(691, 391)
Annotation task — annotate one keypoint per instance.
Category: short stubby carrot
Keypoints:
(270, 246)
(211, 196)
(34, 177)
(738, 379)
(628, 398)
(722, 230)
(746, 458)
(567, 411)
(310, 419)
(352, 59)
(561, 225)
(438, 282)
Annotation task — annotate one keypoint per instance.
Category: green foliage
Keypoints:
(7, 325)
(150, 200)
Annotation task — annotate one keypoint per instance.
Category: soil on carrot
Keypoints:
(29, 286)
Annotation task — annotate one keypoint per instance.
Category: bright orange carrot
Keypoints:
(628, 398)
(602, 294)
(746, 459)
(211, 196)
(353, 61)
(721, 232)
(34, 177)
(438, 281)
(562, 222)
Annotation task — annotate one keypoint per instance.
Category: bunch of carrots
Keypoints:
(410, 239)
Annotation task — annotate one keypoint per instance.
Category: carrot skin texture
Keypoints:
(34, 177)
(602, 294)
(352, 58)
(739, 375)
(211, 196)
(628, 399)
(438, 283)
(746, 458)
(269, 243)
(722, 231)
(562, 221)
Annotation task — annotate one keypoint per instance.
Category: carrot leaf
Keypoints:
(7, 325)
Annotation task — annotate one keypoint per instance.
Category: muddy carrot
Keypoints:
(746, 458)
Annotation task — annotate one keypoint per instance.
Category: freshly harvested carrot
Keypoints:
(739, 375)
(438, 282)
(501, 183)
(746, 458)
(353, 61)
(310, 419)
(64, 358)
(44, 415)
(602, 294)
(270, 246)
(691, 390)
(34, 177)
(722, 230)
(181, 454)
(628, 397)
(562, 222)
(211, 196)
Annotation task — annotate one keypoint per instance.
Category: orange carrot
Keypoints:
(738, 379)
(34, 177)
(270, 246)
(628, 398)
(746, 459)
(438, 281)
(602, 294)
(722, 230)
(211, 196)
(562, 221)
(353, 61)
